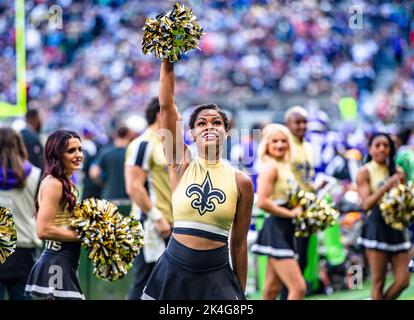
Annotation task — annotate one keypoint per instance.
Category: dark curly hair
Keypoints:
(55, 147)
(211, 106)
(391, 158)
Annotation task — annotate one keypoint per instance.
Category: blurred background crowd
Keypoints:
(254, 49)
(354, 74)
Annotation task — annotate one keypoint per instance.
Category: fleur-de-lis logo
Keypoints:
(304, 169)
(381, 183)
(292, 184)
(205, 194)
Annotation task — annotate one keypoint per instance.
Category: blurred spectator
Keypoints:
(243, 154)
(344, 167)
(90, 153)
(94, 67)
(405, 155)
(31, 138)
(136, 124)
(322, 139)
(19, 182)
(109, 166)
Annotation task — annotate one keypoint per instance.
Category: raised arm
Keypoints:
(50, 195)
(174, 147)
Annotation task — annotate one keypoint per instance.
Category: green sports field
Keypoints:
(97, 289)
(356, 294)
(364, 293)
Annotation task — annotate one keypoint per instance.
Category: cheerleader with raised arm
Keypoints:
(212, 203)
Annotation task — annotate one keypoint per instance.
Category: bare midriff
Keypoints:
(197, 243)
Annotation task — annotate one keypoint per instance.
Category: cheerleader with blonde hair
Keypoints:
(276, 238)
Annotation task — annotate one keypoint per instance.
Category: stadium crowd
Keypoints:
(91, 74)
(94, 67)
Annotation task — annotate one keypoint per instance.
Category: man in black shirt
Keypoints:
(31, 138)
(109, 166)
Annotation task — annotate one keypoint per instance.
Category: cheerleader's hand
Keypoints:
(296, 211)
(163, 227)
(394, 180)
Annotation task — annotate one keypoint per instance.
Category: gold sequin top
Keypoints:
(62, 216)
(284, 183)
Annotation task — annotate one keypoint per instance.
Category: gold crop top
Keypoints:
(62, 216)
(284, 184)
(378, 174)
(205, 200)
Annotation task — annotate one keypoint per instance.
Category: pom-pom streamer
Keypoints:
(397, 206)
(8, 235)
(171, 34)
(113, 240)
(316, 216)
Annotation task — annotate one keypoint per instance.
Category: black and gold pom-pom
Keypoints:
(171, 34)
(8, 235)
(397, 206)
(316, 216)
(113, 240)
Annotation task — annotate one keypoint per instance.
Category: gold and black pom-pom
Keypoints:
(316, 216)
(397, 206)
(8, 235)
(113, 240)
(171, 34)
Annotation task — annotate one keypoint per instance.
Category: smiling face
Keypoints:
(297, 125)
(278, 146)
(380, 149)
(73, 156)
(209, 130)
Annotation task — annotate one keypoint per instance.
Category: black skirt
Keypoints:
(54, 274)
(276, 238)
(182, 273)
(376, 234)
